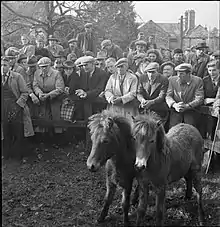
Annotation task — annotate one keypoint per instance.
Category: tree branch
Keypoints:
(22, 16)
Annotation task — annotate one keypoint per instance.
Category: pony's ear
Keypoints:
(160, 139)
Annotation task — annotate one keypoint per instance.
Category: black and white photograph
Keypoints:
(110, 113)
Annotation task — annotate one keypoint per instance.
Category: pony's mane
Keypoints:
(103, 121)
(146, 124)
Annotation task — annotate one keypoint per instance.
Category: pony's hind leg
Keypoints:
(198, 187)
(111, 188)
(188, 179)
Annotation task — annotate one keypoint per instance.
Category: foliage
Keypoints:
(112, 19)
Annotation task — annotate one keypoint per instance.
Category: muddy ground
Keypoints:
(54, 188)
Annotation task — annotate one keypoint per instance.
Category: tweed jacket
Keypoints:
(193, 94)
(19, 88)
(28, 50)
(52, 84)
(127, 92)
(156, 92)
(87, 44)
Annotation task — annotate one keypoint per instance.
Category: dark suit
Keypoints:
(86, 43)
(210, 89)
(155, 92)
(93, 86)
(199, 66)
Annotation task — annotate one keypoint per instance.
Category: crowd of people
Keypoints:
(54, 83)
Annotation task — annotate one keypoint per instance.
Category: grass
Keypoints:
(56, 189)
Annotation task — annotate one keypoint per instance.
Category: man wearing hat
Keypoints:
(178, 57)
(73, 48)
(152, 90)
(92, 83)
(112, 50)
(48, 85)
(121, 88)
(27, 48)
(167, 69)
(185, 93)
(41, 50)
(87, 40)
(17, 122)
(200, 61)
(132, 46)
(140, 46)
(100, 60)
(151, 44)
(53, 46)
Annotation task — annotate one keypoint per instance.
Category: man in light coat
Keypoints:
(121, 89)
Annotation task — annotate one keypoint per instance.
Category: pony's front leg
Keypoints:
(143, 197)
(126, 203)
(111, 188)
(160, 200)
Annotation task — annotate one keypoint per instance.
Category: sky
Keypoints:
(206, 12)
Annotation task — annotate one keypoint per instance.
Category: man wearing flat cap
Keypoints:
(178, 57)
(140, 46)
(121, 88)
(167, 69)
(132, 46)
(92, 83)
(152, 90)
(16, 120)
(87, 41)
(185, 93)
(201, 60)
(53, 46)
(73, 48)
(112, 50)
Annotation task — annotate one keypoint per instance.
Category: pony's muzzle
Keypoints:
(93, 167)
(140, 164)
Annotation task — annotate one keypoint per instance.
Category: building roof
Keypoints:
(198, 32)
(172, 28)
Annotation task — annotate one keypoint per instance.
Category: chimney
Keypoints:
(191, 19)
(186, 21)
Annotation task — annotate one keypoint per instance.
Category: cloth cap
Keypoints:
(89, 53)
(52, 38)
(88, 25)
(139, 56)
(101, 55)
(201, 46)
(32, 61)
(151, 67)
(44, 61)
(167, 63)
(12, 52)
(78, 61)
(140, 42)
(121, 61)
(87, 59)
(184, 67)
(105, 43)
(72, 41)
(71, 56)
(178, 51)
(21, 57)
(68, 64)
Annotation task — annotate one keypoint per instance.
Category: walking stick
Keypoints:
(213, 145)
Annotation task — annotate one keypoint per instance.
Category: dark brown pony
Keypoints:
(113, 146)
(165, 158)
